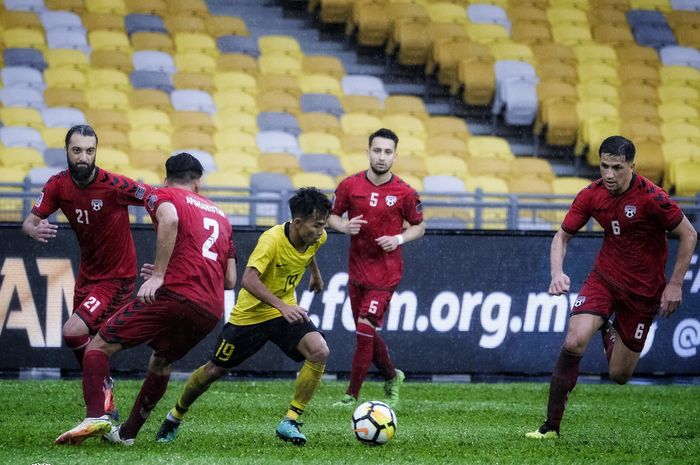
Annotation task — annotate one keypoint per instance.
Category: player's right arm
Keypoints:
(166, 234)
(252, 283)
(351, 226)
(39, 229)
(560, 281)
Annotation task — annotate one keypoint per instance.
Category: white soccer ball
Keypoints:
(374, 423)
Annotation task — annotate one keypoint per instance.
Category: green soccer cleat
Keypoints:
(88, 428)
(392, 388)
(346, 401)
(546, 431)
(115, 438)
(168, 431)
(288, 430)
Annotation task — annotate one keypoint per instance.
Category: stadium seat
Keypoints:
(21, 97)
(671, 112)
(18, 136)
(490, 146)
(321, 163)
(21, 116)
(357, 163)
(371, 20)
(687, 182)
(192, 100)
(151, 60)
(280, 101)
(74, 98)
(531, 166)
(193, 120)
(354, 144)
(65, 78)
(364, 85)
(238, 44)
(445, 144)
(321, 103)
(227, 80)
(277, 141)
(649, 160)
(226, 24)
(447, 165)
(362, 103)
(278, 121)
(24, 158)
(493, 167)
(321, 181)
(51, 19)
(147, 118)
(359, 123)
(22, 76)
(405, 125)
(237, 161)
(151, 80)
(319, 142)
(106, 98)
(155, 41)
(406, 165)
(448, 126)
(113, 159)
(18, 37)
(62, 117)
(24, 57)
(140, 22)
(236, 120)
(279, 64)
(323, 64)
(279, 162)
(149, 139)
(679, 56)
(319, 122)
(75, 6)
(150, 98)
(109, 40)
(195, 42)
(320, 84)
(197, 81)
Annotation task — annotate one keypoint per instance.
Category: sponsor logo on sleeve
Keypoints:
(140, 192)
(39, 200)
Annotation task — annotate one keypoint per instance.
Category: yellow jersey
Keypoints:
(281, 267)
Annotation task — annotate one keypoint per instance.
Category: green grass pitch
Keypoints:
(447, 423)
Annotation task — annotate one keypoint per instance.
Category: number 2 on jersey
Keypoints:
(210, 223)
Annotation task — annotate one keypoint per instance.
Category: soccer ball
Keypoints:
(374, 423)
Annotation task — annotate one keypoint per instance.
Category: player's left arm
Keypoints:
(168, 220)
(316, 280)
(672, 295)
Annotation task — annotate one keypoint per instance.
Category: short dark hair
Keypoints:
(309, 201)
(618, 145)
(183, 167)
(83, 130)
(384, 133)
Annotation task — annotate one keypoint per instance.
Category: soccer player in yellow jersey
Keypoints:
(267, 310)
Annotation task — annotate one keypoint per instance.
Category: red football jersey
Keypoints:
(99, 215)
(385, 208)
(202, 249)
(634, 251)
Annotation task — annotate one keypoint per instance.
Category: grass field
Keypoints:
(437, 424)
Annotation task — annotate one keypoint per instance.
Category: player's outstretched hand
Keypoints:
(388, 243)
(294, 314)
(670, 300)
(147, 271)
(44, 231)
(147, 292)
(355, 224)
(560, 284)
(316, 283)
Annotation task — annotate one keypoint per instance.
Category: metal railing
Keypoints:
(445, 210)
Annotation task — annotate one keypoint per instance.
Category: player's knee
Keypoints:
(74, 327)
(319, 352)
(214, 372)
(620, 376)
(575, 343)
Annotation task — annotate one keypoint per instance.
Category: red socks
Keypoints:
(95, 370)
(563, 382)
(381, 358)
(152, 391)
(78, 344)
(361, 358)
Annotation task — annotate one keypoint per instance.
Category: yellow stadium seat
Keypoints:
(649, 160)
(199, 81)
(448, 126)
(192, 120)
(320, 84)
(530, 32)
(109, 40)
(236, 80)
(108, 79)
(146, 40)
(279, 162)
(443, 144)
(222, 25)
(447, 165)
(310, 179)
(147, 118)
(280, 45)
(641, 130)
(65, 78)
(232, 140)
(490, 146)
(680, 76)
(593, 90)
(569, 185)
(493, 216)
(319, 142)
(150, 139)
(235, 99)
(447, 13)
(512, 51)
(234, 160)
(279, 82)
(20, 37)
(278, 101)
(475, 73)
(237, 62)
(677, 130)
(404, 164)
(678, 93)
(106, 98)
(75, 6)
(121, 61)
(323, 64)
(598, 72)
(413, 181)
(632, 91)
(661, 5)
(192, 139)
(566, 16)
(194, 62)
(531, 166)
(319, 122)
(21, 116)
(354, 144)
(405, 125)
(54, 137)
(439, 33)
(117, 7)
(687, 177)
(553, 51)
(233, 119)
(143, 175)
(113, 160)
(66, 58)
(671, 112)
(279, 64)
(184, 23)
(405, 104)
(11, 209)
(487, 33)
(674, 151)
(150, 98)
(111, 138)
(371, 20)
(571, 34)
(20, 158)
(196, 8)
(74, 98)
(153, 7)
(634, 53)
(494, 167)
(359, 123)
(613, 34)
(639, 110)
(195, 42)
(593, 131)
(362, 104)
(112, 119)
(687, 35)
(596, 53)
(93, 21)
(356, 163)
(639, 73)
(527, 184)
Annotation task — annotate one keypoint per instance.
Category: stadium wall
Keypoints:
(470, 302)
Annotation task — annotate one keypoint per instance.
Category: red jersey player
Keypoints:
(95, 202)
(180, 302)
(377, 203)
(628, 275)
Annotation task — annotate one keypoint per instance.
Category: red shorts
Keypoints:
(170, 326)
(95, 301)
(371, 304)
(633, 314)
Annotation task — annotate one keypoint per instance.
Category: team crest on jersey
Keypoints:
(390, 200)
(39, 200)
(630, 211)
(579, 301)
(96, 204)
